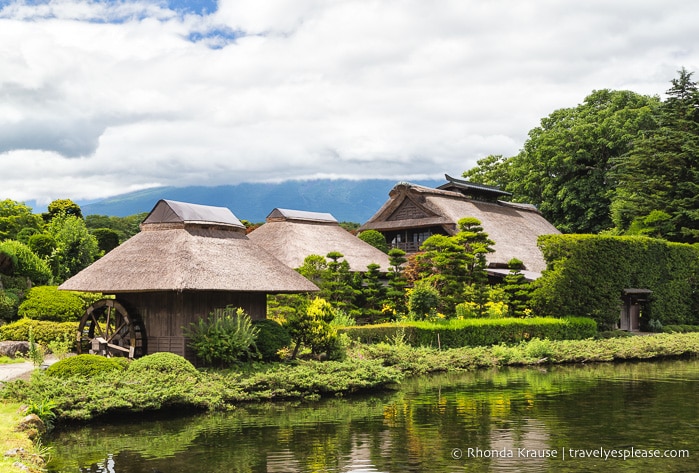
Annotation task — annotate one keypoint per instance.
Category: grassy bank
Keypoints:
(24, 450)
(368, 367)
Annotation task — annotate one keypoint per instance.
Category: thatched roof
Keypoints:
(184, 247)
(291, 235)
(513, 227)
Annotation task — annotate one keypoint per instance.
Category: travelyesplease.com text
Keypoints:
(563, 453)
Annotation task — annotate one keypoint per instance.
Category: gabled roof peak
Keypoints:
(472, 188)
(172, 211)
(287, 214)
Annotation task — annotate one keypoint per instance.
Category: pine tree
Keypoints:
(659, 177)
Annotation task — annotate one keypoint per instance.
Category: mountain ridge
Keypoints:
(347, 200)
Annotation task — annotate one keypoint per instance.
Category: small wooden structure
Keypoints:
(634, 301)
(187, 261)
(413, 213)
(291, 235)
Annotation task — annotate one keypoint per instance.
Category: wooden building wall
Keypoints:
(165, 314)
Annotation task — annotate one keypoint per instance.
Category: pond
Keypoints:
(558, 419)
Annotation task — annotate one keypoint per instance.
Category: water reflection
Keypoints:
(510, 420)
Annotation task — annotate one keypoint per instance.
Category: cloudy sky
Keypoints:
(101, 98)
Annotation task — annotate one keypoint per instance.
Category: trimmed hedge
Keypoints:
(475, 332)
(85, 366)
(680, 328)
(44, 332)
(271, 337)
(48, 303)
(163, 362)
(587, 273)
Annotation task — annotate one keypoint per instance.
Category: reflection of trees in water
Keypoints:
(416, 428)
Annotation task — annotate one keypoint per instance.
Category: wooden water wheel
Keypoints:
(108, 329)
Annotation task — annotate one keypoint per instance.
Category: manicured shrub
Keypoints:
(375, 239)
(587, 273)
(85, 366)
(423, 299)
(680, 328)
(163, 362)
(44, 332)
(9, 301)
(476, 332)
(271, 338)
(378, 333)
(48, 303)
(224, 338)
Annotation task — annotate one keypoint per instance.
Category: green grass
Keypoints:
(10, 416)
(6, 360)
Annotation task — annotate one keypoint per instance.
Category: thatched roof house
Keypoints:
(413, 213)
(187, 261)
(291, 235)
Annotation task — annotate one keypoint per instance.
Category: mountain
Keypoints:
(346, 200)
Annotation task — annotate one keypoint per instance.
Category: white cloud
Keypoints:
(99, 98)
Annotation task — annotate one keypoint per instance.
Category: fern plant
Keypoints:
(224, 337)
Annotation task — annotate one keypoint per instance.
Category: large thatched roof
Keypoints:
(513, 227)
(184, 247)
(291, 235)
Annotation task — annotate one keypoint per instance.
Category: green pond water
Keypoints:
(550, 419)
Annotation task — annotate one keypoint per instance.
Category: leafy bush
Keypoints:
(85, 366)
(423, 299)
(476, 332)
(25, 262)
(224, 338)
(271, 338)
(163, 362)
(9, 301)
(310, 326)
(375, 239)
(44, 332)
(107, 239)
(42, 244)
(48, 303)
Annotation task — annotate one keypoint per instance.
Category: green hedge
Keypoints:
(475, 332)
(48, 303)
(85, 366)
(44, 332)
(680, 328)
(587, 273)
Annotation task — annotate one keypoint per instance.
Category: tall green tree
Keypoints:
(397, 281)
(15, 217)
(62, 207)
(564, 166)
(373, 293)
(75, 248)
(658, 178)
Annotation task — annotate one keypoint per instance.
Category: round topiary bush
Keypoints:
(163, 362)
(48, 303)
(85, 366)
(271, 338)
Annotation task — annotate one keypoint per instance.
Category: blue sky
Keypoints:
(101, 98)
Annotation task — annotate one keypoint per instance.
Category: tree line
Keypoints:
(619, 163)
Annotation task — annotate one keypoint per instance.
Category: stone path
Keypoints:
(10, 371)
